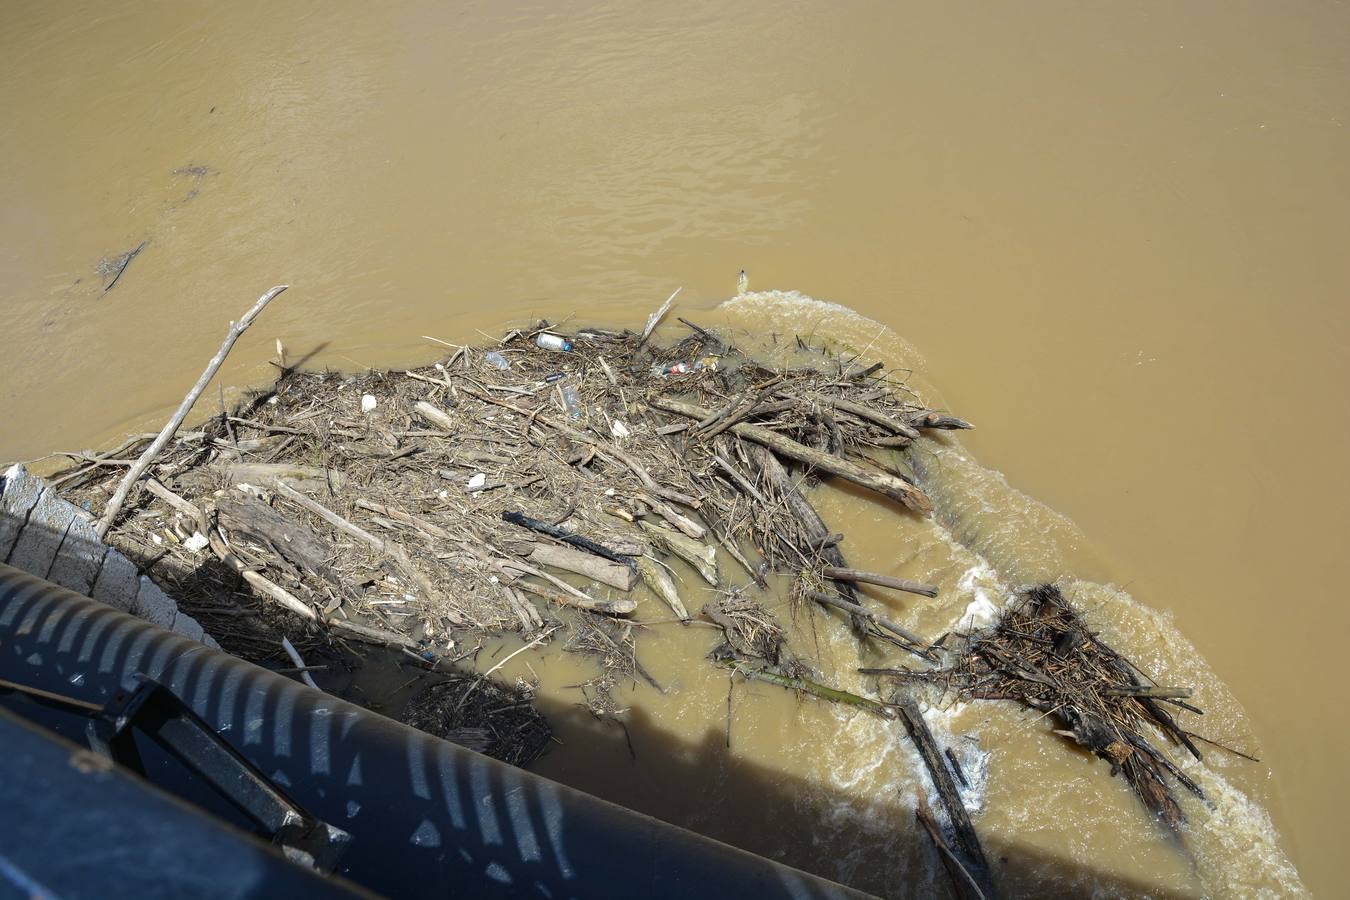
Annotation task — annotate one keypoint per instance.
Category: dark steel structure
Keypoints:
(425, 818)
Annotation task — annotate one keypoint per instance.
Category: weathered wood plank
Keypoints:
(306, 478)
(967, 840)
(572, 560)
(289, 538)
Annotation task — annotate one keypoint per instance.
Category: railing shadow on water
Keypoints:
(432, 819)
(716, 791)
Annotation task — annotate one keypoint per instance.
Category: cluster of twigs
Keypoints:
(498, 720)
(750, 630)
(405, 507)
(1042, 655)
(611, 642)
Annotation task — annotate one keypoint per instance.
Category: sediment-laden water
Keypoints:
(1115, 234)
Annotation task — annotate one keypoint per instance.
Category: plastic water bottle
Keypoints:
(553, 342)
(496, 359)
(571, 401)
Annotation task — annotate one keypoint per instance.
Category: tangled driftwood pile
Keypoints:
(538, 483)
(409, 507)
(1042, 655)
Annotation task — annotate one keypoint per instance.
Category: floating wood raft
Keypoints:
(424, 508)
(54, 539)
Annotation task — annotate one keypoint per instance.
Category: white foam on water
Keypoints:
(982, 611)
(1234, 843)
(1246, 838)
(801, 304)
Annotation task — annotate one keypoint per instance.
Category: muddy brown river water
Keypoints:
(1112, 236)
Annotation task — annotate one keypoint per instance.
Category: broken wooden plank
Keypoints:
(307, 478)
(434, 415)
(869, 414)
(292, 540)
(703, 557)
(661, 584)
(880, 621)
(604, 571)
(816, 532)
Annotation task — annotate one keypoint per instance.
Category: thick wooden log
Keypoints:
(929, 419)
(746, 486)
(882, 483)
(292, 540)
(1151, 691)
(435, 416)
(967, 841)
(581, 542)
(359, 632)
(305, 478)
(900, 584)
(817, 533)
(685, 524)
(963, 883)
(621, 607)
(512, 567)
(578, 562)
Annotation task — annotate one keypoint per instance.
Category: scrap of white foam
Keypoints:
(1253, 859)
(756, 299)
(944, 723)
(982, 611)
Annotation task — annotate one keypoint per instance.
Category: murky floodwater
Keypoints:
(1115, 234)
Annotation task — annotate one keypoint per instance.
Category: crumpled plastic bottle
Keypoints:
(572, 401)
(684, 368)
